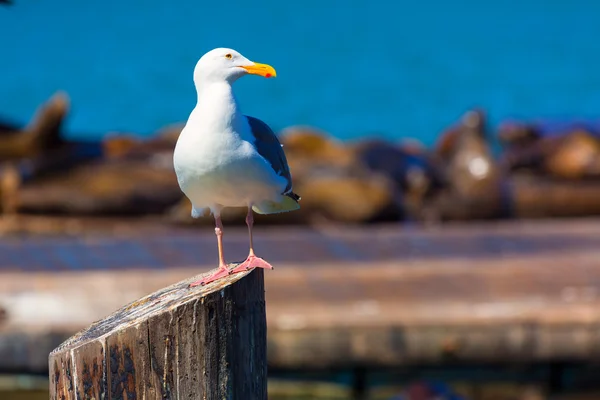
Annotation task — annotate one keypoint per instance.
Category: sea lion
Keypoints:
(38, 150)
(129, 176)
(571, 155)
(544, 197)
(474, 187)
(574, 156)
(410, 167)
(307, 148)
(471, 167)
(336, 183)
(42, 133)
(512, 133)
(103, 187)
(118, 145)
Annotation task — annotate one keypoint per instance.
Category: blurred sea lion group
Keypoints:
(525, 170)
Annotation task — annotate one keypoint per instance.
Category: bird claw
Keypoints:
(251, 263)
(218, 274)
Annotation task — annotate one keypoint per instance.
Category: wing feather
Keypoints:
(270, 148)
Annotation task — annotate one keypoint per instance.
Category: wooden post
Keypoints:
(177, 343)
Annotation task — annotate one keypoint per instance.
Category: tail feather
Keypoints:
(289, 203)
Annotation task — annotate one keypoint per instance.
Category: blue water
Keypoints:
(399, 69)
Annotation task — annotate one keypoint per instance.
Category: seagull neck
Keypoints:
(218, 92)
(217, 102)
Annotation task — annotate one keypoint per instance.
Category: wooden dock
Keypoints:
(377, 296)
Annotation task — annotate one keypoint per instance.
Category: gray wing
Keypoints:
(270, 148)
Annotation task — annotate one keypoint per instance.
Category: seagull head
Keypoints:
(228, 65)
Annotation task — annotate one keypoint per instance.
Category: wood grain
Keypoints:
(177, 343)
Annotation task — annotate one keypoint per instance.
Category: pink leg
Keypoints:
(222, 271)
(252, 261)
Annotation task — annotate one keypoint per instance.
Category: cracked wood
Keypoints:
(177, 343)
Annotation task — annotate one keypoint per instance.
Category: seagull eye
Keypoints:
(229, 56)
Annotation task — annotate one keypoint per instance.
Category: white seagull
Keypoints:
(226, 159)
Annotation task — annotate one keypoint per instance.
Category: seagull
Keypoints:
(224, 158)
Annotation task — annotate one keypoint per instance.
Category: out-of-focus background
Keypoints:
(447, 154)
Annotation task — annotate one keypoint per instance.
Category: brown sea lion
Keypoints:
(543, 197)
(101, 178)
(103, 187)
(410, 167)
(472, 168)
(117, 145)
(446, 144)
(574, 156)
(10, 182)
(474, 181)
(349, 197)
(42, 133)
(517, 134)
(308, 147)
(38, 150)
(336, 184)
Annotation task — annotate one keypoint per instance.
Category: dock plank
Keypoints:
(519, 292)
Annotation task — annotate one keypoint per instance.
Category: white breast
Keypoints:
(215, 160)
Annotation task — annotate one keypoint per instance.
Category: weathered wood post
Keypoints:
(177, 343)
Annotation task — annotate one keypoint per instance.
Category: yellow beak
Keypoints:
(261, 69)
